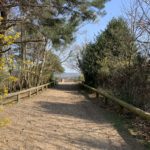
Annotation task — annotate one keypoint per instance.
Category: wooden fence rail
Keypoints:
(133, 109)
(12, 97)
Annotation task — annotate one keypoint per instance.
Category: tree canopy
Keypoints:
(113, 62)
(30, 30)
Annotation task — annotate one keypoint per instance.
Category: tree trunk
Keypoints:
(42, 65)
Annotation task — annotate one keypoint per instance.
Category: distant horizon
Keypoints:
(68, 75)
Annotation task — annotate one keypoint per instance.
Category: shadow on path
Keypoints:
(81, 110)
(87, 110)
(67, 87)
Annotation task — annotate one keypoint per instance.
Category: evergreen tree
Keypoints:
(113, 62)
(113, 49)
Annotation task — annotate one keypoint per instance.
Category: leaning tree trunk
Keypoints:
(42, 65)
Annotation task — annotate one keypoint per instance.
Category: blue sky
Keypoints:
(88, 32)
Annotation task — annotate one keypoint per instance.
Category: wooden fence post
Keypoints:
(37, 90)
(120, 109)
(29, 93)
(18, 97)
(105, 101)
(97, 95)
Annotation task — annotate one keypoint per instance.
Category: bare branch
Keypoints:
(4, 51)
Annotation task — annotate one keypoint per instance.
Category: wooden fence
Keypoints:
(12, 97)
(108, 96)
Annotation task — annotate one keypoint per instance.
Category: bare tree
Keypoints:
(137, 14)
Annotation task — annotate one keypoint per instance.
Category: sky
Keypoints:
(88, 32)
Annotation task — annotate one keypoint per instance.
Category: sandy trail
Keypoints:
(60, 119)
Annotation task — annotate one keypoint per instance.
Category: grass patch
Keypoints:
(1, 109)
(4, 122)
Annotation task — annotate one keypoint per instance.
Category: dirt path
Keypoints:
(60, 119)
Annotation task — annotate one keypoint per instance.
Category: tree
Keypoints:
(88, 63)
(41, 24)
(61, 16)
(137, 15)
(112, 49)
(114, 62)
